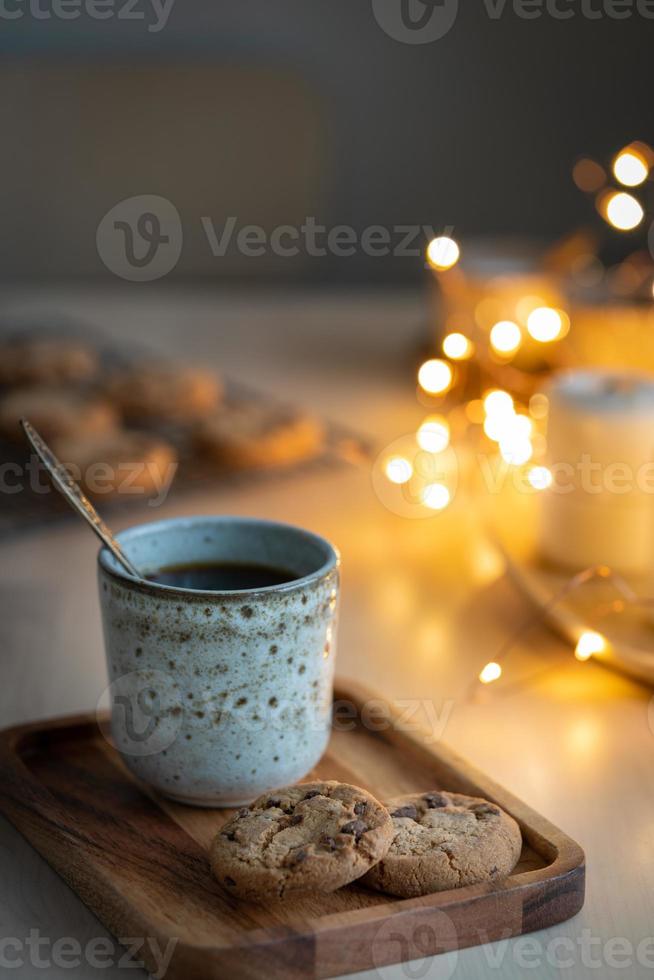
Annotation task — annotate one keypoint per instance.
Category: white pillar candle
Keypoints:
(600, 446)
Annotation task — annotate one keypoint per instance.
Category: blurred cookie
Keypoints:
(252, 435)
(46, 361)
(166, 393)
(313, 837)
(54, 413)
(119, 462)
(445, 840)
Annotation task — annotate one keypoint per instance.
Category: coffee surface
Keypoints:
(221, 576)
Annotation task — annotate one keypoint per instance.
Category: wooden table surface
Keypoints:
(425, 605)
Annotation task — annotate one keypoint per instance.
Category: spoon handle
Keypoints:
(73, 494)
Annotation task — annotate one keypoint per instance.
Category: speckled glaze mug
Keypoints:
(217, 697)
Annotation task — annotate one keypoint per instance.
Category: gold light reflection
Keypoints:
(589, 643)
(630, 167)
(435, 376)
(398, 469)
(491, 672)
(498, 402)
(545, 324)
(443, 253)
(458, 347)
(621, 210)
(539, 477)
(435, 496)
(434, 434)
(505, 337)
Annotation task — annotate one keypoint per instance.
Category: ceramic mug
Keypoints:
(217, 697)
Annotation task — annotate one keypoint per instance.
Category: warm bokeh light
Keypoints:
(588, 175)
(539, 405)
(622, 210)
(435, 376)
(436, 496)
(505, 337)
(516, 449)
(458, 347)
(434, 434)
(442, 253)
(539, 477)
(588, 644)
(498, 403)
(398, 469)
(545, 324)
(490, 673)
(630, 168)
(475, 411)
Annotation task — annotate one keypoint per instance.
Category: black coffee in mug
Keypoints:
(221, 576)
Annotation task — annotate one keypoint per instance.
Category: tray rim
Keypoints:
(568, 859)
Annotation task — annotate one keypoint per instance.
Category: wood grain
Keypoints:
(140, 863)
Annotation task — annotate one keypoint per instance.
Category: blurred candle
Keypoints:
(599, 507)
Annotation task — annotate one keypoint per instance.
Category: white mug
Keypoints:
(217, 697)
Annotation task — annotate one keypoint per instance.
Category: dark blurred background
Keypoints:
(272, 110)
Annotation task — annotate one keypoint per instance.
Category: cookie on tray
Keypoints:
(313, 837)
(252, 435)
(55, 413)
(161, 392)
(129, 463)
(46, 361)
(445, 840)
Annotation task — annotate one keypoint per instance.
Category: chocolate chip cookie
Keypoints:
(445, 840)
(310, 837)
(162, 392)
(55, 413)
(119, 462)
(256, 436)
(46, 361)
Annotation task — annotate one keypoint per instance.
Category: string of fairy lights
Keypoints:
(484, 384)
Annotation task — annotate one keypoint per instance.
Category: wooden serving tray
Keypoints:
(140, 861)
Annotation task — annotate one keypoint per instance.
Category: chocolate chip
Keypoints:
(482, 810)
(328, 842)
(273, 801)
(355, 827)
(297, 857)
(434, 800)
(295, 819)
(360, 807)
(230, 882)
(244, 812)
(406, 811)
(312, 792)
